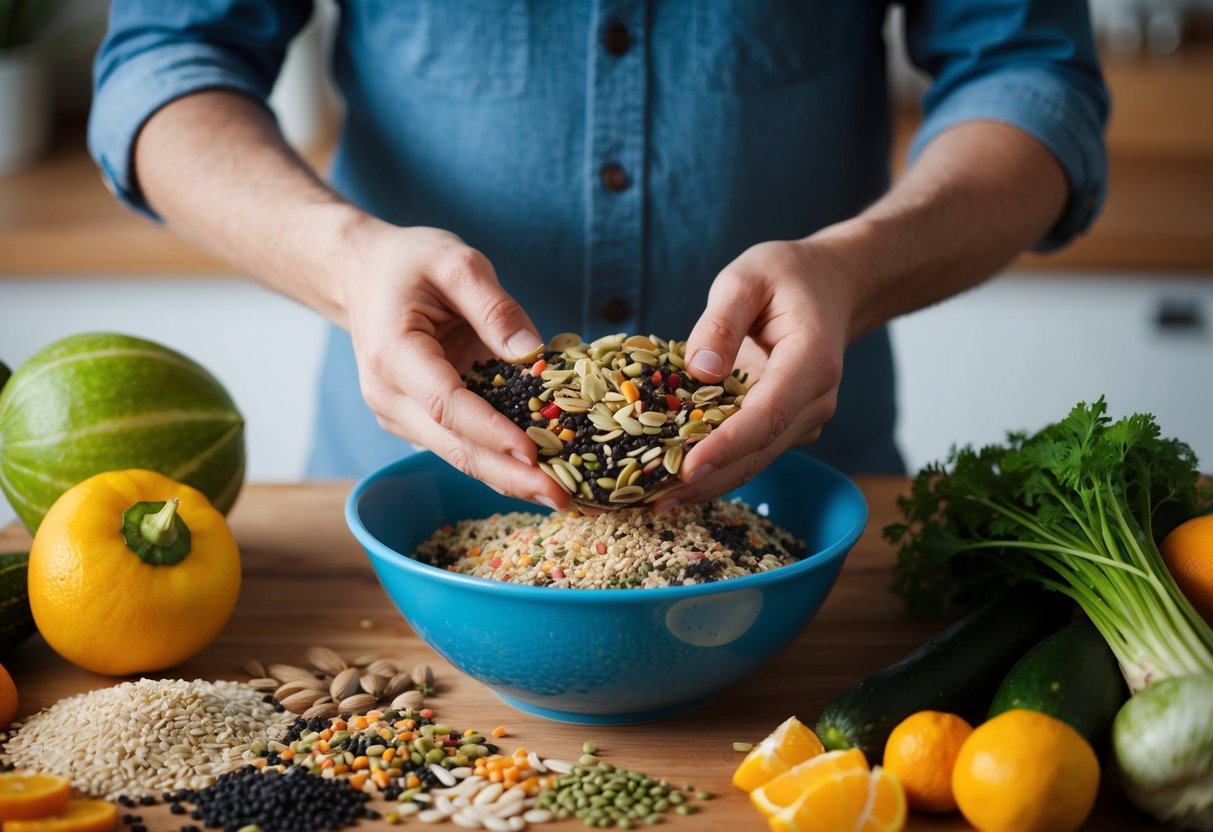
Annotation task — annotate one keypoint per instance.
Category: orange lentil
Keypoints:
(567, 434)
(326, 734)
(358, 781)
(326, 763)
(341, 768)
(426, 713)
(259, 762)
(380, 778)
(629, 391)
(287, 755)
(412, 781)
(519, 751)
(361, 762)
(385, 733)
(389, 754)
(321, 746)
(359, 723)
(696, 413)
(339, 725)
(495, 776)
(373, 717)
(499, 731)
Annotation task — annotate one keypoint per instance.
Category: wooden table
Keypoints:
(306, 582)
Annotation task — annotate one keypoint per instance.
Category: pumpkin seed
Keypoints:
(675, 360)
(627, 494)
(673, 459)
(733, 386)
(584, 489)
(593, 388)
(633, 370)
(647, 357)
(551, 472)
(707, 393)
(693, 426)
(556, 378)
(630, 426)
(638, 342)
(608, 436)
(563, 341)
(568, 466)
(713, 416)
(545, 439)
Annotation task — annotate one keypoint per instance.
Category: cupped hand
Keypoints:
(781, 312)
(421, 307)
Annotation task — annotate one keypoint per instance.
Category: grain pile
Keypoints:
(146, 737)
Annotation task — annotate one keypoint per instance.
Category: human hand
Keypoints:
(421, 306)
(781, 311)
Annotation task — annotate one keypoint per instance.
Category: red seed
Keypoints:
(552, 411)
(601, 548)
(673, 381)
(656, 377)
(558, 574)
(495, 563)
(538, 367)
(671, 402)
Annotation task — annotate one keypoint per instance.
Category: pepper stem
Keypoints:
(159, 529)
(155, 532)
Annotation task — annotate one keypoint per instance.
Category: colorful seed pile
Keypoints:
(145, 737)
(620, 549)
(612, 419)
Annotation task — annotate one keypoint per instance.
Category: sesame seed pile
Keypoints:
(613, 419)
(145, 737)
(629, 548)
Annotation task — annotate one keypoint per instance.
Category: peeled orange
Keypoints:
(791, 743)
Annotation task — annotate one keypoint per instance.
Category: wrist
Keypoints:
(849, 254)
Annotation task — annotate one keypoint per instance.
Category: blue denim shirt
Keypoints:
(611, 156)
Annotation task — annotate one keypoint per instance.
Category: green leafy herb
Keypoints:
(1076, 507)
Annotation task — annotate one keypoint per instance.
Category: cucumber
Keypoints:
(1072, 675)
(16, 620)
(956, 671)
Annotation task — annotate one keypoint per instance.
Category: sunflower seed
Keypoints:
(323, 711)
(299, 702)
(673, 459)
(707, 393)
(358, 703)
(372, 684)
(733, 386)
(647, 357)
(325, 660)
(253, 668)
(410, 699)
(289, 673)
(630, 426)
(344, 683)
(364, 660)
(383, 667)
(398, 684)
(264, 684)
(563, 341)
(297, 686)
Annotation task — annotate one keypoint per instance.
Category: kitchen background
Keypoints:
(1126, 312)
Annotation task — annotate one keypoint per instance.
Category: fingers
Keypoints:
(734, 304)
(470, 285)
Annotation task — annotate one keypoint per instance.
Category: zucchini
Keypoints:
(16, 620)
(956, 670)
(1073, 676)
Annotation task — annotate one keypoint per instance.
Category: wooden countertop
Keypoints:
(295, 546)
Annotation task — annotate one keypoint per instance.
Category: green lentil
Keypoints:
(587, 759)
(743, 746)
(588, 747)
(704, 794)
(685, 809)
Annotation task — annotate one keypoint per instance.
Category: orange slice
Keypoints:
(785, 789)
(78, 816)
(26, 794)
(791, 743)
(886, 807)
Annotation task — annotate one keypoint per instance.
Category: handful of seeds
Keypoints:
(613, 419)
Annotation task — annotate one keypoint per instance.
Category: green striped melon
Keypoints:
(103, 402)
(16, 618)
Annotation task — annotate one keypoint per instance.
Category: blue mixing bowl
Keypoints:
(603, 656)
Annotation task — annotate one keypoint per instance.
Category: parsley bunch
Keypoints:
(1075, 507)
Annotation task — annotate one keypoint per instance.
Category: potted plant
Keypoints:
(25, 92)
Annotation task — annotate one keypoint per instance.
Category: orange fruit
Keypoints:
(784, 789)
(791, 743)
(1188, 553)
(115, 607)
(29, 795)
(854, 800)
(8, 699)
(1023, 771)
(921, 752)
(77, 816)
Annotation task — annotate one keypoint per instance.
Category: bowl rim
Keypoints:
(380, 551)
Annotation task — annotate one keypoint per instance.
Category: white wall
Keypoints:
(262, 347)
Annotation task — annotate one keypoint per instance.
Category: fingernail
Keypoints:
(547, 501)
(522, 342)
(665, 505)
(702, 471)
(708, 362)
(521, 457)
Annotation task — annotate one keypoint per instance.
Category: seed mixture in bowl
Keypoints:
(613, 419)
(692, 544)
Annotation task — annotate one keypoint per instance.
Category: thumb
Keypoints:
(496, 317)
(713, 344)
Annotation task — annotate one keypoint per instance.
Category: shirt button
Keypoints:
(615, 39)
(616, 311)
(614, 177)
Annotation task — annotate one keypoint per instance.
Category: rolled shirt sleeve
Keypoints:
(1031, 64)
(156, 52)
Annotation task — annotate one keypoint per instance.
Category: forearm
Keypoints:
(978, 195)
(215, 167)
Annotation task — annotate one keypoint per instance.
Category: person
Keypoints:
(715, 171)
